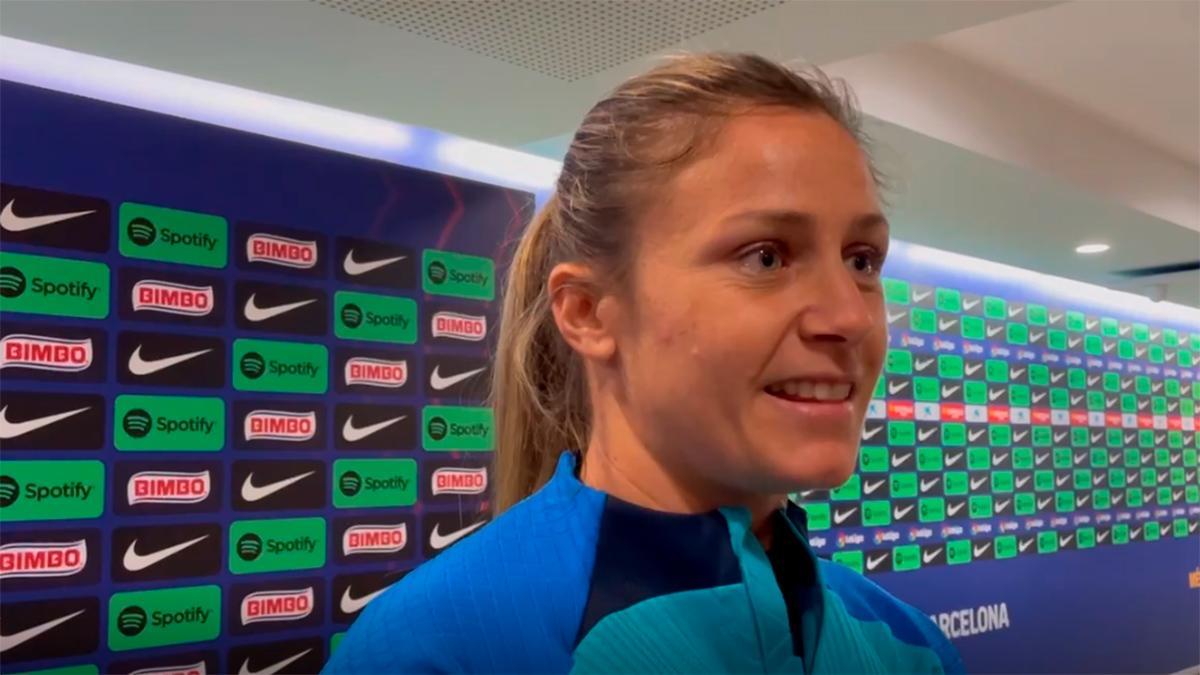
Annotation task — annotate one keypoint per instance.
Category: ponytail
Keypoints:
(538, 391)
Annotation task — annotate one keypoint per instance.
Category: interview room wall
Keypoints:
(1080, 603)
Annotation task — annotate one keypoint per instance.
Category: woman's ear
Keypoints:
(585, 318)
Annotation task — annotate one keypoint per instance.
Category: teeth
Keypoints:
(818, 391)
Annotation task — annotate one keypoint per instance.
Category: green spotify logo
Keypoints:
(169, 616)
(276, 544)
(172, 423)
(376, 318)
(288, 367)
(51, 490)
(172, 235)
(457, 428)
(374, 483)
(141, 231)
(458, 275)
(37, 284)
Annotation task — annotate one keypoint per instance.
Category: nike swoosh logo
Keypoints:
(439, 541)
(872, 563)
(1016, 372)
(946, 325)
(1020, 436)
(1038, 397)
(969, 304)
(868, 488)
(8, 642)
(1041, 458)
(974, 435)
(970, 370)
(1000, 506)
(928, 556)
(900, 513)
(14, 223)
(355, 268)
(991, 332)
(353, 434)
(255, 313)
(893, 318)
(952, 459)
(274, 667)
(438, 382)
(949, 392)
(977, 483)
(140, 366)
(922, 365)
(868, 435)
(980, 550)
(926, 486)
(924, 434)
(253, 493)
(136, 562)
(1025, 544)
(999, 459)
(951, 510)
(1022, 481)
(14, 429)
(350, 604)
(897, 461)
(892, 387)
(1043, 504)
(840, 517)
(918, 297)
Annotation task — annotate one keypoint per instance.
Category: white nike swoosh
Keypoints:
(977, 485)
(8, 642)
(1022, 481)
(950, 391)
(868, 488)
(350, 604)
(924, 434)
(970, 370)
(140, 366)
(981, 551)
(927, 558)
(897, 461)
(893, 318)
(355, 268)
(840, 517)
(255, 313)
(892, 389)
(14, 223)
(900, 513)
(951, 459)
(868, 435)
(925, 486)
(274, 667)
(922, 365)
(970, 304)
(439, 541)
(135, 562)
(253, 493)
(354, 434)
(439, 383)
(873, 563)
(1000, 505)
(917, 297)
(951, 510)
(14, 429)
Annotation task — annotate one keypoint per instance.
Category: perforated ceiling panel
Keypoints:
(565, 39)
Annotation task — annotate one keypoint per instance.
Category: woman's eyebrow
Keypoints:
(788, 218)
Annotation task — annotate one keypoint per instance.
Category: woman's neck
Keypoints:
(617, 462)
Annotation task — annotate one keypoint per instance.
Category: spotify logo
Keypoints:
(350, 483)
(9, 491)
(437, 428)
(249, 547)
(137, 423)
(436, 272)
(253, 365)
(12, 282)
(131, 621)
(141, 231)
(352, 316)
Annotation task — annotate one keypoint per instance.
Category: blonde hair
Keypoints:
(626, 146)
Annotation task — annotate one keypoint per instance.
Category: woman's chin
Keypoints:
(823, 466)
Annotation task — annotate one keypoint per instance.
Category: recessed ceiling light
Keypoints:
(1092, 248)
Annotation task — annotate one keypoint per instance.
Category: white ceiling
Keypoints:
(1130, 63)
(1019, 128)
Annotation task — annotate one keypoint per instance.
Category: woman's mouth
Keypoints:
(811, 391)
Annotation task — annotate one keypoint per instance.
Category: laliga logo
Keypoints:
(374, 539)
(376, 372)
(168, 487)
(276, 250)
(459, 326)
(455, 481)
(45, 353)
(51, 559)
(280, 425)
(289, 605)
(172, 298)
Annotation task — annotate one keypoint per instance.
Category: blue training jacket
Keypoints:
(574, 580)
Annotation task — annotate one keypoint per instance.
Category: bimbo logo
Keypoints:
(279, 250)
(376, 372)
(455, 481)
(51, 559)
(374, 539)
(45, 353)
(172, 298)
(459, 326)
(168, 487)
(279, 425)
(277, 605)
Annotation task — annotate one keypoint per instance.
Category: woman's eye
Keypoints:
(762, 258)
(865, 262)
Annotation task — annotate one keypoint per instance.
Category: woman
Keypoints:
(692, 329)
